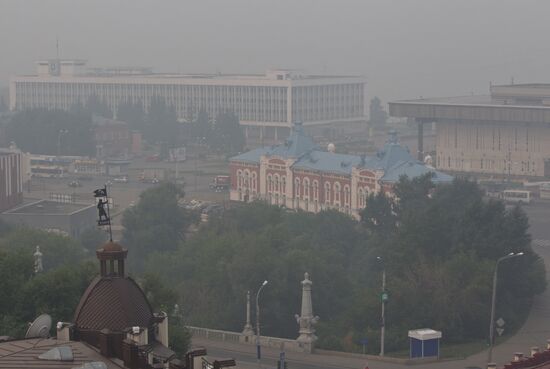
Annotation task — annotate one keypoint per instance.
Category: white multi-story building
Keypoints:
(266, 105)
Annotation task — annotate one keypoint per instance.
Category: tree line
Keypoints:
(60, 132)
(438, 246)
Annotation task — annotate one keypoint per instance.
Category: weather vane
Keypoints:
(103, 209)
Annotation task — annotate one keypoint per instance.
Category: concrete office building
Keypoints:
(506, 133)
(266, 105)
(11, 179)
(69, 218)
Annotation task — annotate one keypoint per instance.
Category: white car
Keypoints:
(122, 179)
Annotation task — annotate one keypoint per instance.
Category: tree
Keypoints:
(52, 132)
(92, 238)
(378, 116)
(155, 224)
(228, 134)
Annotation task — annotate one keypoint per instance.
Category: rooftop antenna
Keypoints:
(512, 80)
(57, 47)
(40, 328)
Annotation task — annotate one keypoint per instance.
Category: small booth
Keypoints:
(424, 343)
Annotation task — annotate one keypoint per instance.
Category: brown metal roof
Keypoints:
(114, 303)
(24, 354)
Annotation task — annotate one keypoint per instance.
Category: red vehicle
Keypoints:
(153, 158)
(220, 183)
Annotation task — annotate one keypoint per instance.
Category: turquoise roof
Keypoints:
(393, 159)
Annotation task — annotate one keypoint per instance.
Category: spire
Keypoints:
(306, 320)
(248, 330)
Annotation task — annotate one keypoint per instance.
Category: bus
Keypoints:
(516, 196)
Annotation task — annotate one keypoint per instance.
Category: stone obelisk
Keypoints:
(248, 330)
(306, 320)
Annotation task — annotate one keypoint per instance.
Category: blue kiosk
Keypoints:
(424, 343)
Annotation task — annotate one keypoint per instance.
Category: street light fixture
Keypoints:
(493, 302)
(61, 132)
(258, 349)
(383, 299)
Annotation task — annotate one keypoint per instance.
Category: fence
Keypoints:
(236, 337)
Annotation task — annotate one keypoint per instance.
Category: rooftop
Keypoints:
(24, 354)
(49, 207)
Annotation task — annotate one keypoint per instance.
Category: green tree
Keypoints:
(52, 132)
(228, 134)
(378, 116)
(155, 224)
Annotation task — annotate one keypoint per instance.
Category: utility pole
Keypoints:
(383, 328)
(258, 346)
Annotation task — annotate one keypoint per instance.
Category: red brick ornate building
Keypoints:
(297, 175)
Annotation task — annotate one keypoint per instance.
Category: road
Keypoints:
(534, 332)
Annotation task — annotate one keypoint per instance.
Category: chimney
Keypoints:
(64, 331)
(138, 335)
(130, 354)
(534, 350)
(194, 357)
(491, 366)
(161, 330)
(518, 356)
(106, 343)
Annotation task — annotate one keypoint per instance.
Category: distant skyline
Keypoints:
(406, 49)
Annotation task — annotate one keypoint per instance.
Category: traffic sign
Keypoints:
(384, 296)
(500, 322)
(499, 331)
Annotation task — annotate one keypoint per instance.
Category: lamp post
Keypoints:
(61, 132)
(258, 352)
(383, 298)
(493, 302)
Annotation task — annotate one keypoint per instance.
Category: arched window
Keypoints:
(346, 195)
(360, 198)
(239, 179)
(306, 188)
(316, 190)
(337, 191)
(246, 183)
(297, 188)
(327, 192)
(269, 183)
(283, 184)
(276, 181)
(254, 184)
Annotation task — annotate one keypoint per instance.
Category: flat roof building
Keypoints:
(505, 133)
(266, 104)
(69, 218)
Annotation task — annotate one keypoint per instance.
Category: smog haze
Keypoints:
(406, 49)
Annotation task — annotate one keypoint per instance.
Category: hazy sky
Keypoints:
(406, 48)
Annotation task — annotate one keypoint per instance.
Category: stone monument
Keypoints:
(38, 267)
(248, 331)
(306, 320)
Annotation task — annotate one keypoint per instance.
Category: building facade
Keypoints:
(113, 138)
(11, 179)
(265, 104)
(506, 133)
(298, 175)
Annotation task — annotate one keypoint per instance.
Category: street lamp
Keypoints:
(61, 132)
(383, 298)
(493, 302)
(258, 352)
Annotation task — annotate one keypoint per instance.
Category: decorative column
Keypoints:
(306, 320)
(38, 261)
(248, 330)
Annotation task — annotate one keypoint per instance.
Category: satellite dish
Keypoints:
(40, 327)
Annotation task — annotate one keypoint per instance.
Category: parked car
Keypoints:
(75, 184)
(153, 158)
(122, 179)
